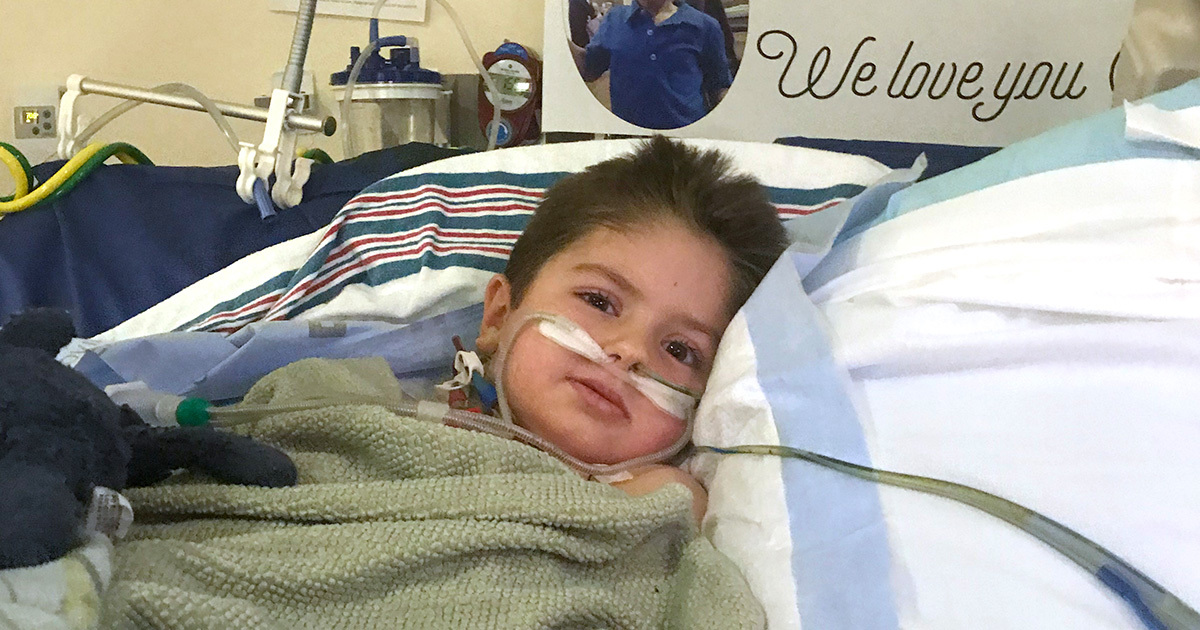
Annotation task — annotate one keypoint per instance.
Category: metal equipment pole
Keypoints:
(294, 73)
(325, 125)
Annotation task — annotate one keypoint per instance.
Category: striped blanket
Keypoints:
(404, 225)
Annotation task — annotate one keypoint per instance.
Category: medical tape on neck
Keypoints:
(569, 335)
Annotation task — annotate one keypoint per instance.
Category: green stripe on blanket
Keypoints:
(401, 523)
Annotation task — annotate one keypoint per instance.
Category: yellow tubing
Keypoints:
(21, 202)
(18, 173)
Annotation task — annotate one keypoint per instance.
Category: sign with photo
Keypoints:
(955, 72)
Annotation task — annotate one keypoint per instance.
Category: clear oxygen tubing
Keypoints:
(167, 88)
(1155, 606)
(235, 415)
(348, 96)
(589, 469)
(345, 109)
(676, 400)
(483, 73)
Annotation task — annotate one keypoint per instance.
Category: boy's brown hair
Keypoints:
(662, 180)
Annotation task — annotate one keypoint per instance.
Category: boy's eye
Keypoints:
(598, 301)
(683, 353)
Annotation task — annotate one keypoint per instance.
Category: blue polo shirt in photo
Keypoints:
(660, 74)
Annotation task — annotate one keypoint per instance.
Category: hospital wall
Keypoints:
(229, 49)
(226, 48)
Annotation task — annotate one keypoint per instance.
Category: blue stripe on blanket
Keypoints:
(840, 556)
(402, 182)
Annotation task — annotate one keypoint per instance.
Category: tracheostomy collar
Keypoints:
(676, 400)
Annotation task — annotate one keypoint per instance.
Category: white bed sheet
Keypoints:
(1039, 339)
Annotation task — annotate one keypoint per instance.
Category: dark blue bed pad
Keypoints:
(129, 236)
(942, 157)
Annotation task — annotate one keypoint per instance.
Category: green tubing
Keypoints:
(318, 156)
(128, 149)
(24, 167)
(127, 152)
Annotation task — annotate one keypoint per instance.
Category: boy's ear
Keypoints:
(497, 304)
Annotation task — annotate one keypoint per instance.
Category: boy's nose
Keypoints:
(623, 352)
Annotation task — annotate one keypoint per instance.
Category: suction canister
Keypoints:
(392, 99)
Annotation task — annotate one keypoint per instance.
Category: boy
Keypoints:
(651, 254)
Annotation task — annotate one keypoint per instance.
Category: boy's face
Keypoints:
(655, 294)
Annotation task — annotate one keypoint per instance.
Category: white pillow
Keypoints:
(1039, 339)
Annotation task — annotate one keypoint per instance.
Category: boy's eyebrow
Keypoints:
(616, 278)
(625, 285)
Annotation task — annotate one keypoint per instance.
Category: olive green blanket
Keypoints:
(404, 523)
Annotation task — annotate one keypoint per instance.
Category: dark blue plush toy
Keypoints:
(61, 436)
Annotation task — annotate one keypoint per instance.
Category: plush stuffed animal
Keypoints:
(61, 437)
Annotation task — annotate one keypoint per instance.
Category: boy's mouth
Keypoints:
(601, 394)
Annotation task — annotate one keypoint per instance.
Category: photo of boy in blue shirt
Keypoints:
(666, 60)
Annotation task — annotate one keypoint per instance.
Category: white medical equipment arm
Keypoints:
(277, 151)
(275, 154)
(77, 85)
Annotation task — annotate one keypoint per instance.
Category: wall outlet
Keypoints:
(35, 121)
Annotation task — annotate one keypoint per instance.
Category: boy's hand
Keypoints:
(651, 478)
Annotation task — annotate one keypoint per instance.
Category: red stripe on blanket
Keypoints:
(252, 306)
(316, 284)
(806, 210)
(447, 192)
(350, 245)
(386, 213)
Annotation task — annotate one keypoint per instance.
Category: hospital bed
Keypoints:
(1026, 324)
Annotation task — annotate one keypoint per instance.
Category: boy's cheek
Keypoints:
(531, 367)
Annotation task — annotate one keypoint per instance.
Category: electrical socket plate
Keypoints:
(35, 121)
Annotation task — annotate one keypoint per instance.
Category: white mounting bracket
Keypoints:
(67, 124)
(275, 155)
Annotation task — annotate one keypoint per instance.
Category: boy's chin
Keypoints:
(587, 449)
